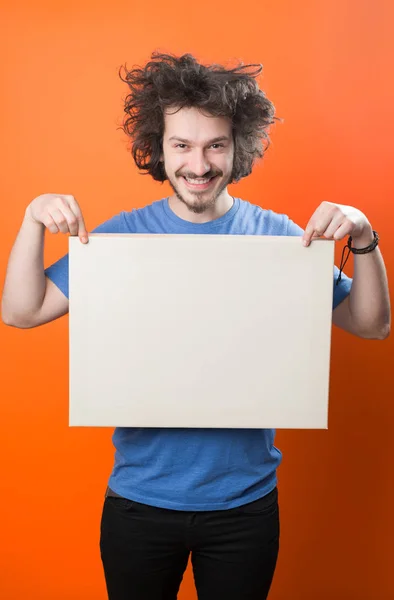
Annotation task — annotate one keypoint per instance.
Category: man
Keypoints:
(175, 492)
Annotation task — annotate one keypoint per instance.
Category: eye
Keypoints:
(181, 146)
(218, 145)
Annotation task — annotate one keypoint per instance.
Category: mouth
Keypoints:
(200, 183)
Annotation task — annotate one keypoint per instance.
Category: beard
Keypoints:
(203, 200)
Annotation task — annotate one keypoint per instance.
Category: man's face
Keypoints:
(198, 152)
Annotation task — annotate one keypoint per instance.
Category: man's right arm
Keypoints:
(29, 297)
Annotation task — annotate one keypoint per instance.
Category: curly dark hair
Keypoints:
(169, 81)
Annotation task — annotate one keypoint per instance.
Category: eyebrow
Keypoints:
(222, 138)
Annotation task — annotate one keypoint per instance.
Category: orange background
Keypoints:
(328, 68)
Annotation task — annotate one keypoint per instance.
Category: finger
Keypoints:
(82, 231)
(319, 222)
(343, 231)
(314, 231)
(71, 218)
(308, 233)
(50, 224)
(330, 232)
(59, 219)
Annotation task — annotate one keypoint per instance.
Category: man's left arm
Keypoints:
(366, 311)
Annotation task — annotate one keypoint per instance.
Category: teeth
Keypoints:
(197, 181)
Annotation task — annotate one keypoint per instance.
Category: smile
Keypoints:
(200, 183)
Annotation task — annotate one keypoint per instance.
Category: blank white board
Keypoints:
(200, 331)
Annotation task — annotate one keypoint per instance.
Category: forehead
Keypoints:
(195, 125)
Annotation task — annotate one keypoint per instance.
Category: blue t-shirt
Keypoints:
(195, 469)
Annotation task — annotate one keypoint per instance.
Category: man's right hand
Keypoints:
(58, 212)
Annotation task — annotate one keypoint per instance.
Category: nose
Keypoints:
(199, 164)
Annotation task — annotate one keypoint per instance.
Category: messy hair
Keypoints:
(167, 81)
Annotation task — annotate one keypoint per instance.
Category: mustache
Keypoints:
(211, 173)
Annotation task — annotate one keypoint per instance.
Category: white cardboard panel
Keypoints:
(200, 331)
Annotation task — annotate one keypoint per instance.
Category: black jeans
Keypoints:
(145, 550)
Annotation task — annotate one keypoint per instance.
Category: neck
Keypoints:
(222, 205)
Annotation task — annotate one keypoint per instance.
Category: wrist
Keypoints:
(32, 227)
(30, 221)
(363, 240)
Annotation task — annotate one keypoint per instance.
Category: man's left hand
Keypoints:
(336, 221)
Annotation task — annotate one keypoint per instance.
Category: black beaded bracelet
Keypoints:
(349, 249)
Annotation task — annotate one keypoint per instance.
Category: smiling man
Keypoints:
(198, 169)
(206, 493)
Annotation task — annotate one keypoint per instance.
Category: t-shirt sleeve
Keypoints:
(58, 271)
(343, 288)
